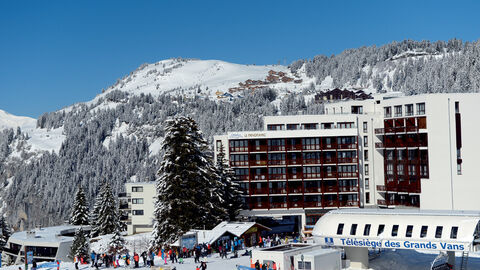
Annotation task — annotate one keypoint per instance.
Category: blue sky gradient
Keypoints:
(56, 53)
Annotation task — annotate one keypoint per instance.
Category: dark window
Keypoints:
(353, 229)
(395, 230)
(438, 232)
(292, 126)
(454, 232)
(457, 107)
(340, 229)
(367, 194)
(408, 233)
(387, 112)
(366, 230)
(137, 189)
(420, 108)
(423, 232)
(137, 212)
(365, 127)
(381, 228)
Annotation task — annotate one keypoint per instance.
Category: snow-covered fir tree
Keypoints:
(5, 232)
(80, 246)
(116, 244)
(231, 193)
(188, 187)
(79, 214)
(105, 212)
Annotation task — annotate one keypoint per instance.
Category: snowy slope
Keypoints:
(11, 121)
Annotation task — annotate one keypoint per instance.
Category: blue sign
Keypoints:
(329, 241)
(30, 257)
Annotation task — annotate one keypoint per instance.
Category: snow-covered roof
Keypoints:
(47, 235)
(235, 228)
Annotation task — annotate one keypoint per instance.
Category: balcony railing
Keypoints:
(313, 189)
(258, 163)
(330, 189)
(259, 191)
(276, 148)
(277, 162)
(259, 205)
(298, 204)
(312, 204)
(278, 205)
(238, 149)
(259, 177)
(296, 147)
(278, 191)
(238, 163)
(347, 146)
(277, 176)
(347, 174)
(348, 189)
(295, 161)
(347, 160)
(330, 203)
(295, 176)
(381, 202)
(348, 203)
(258, 148)
(295, 190)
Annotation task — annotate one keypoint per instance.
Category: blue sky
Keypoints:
(56, 53)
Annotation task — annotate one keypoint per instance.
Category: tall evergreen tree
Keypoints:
(5, 232)
(105, 212)
(80, 246)
(188, 190)
(231, 193)
(79, 214)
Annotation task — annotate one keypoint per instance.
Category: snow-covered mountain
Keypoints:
(117, 135)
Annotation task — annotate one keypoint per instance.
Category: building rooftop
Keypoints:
(55, 234)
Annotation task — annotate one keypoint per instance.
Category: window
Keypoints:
(454, 232)
(367, 184)
(409, 110)
(395, 230)
(137, 212)
(408, 233)
(398, 111)
(310, 126)
(381, 228)
(340, 229)
(457, 107)
(387, 112)
(357, 109)
(423, 232)
(367, 197)
(137, 189)
(365, 141)
(304, 265)
(365, 155)
(137, 201)
(366, 230)
(292, 126)
(353, 229)
(366, 169)
(219, 145)
(420, 108)
(327, 125)
(365, 127)
(438, 232)
(345, 125)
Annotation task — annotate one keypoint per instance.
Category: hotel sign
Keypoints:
(247, 135)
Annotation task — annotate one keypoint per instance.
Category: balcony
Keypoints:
(298, 204)
(379, 145)
(382, 202)
(312, 161)
(296, 147)
(274, 205)
(278, 191)
(277, 176)
(259, 205)
(238, 163)
(348, 189)
(242, 177)
(259, 191)
(258, 177)
(347, 146)
(313, 189)
(276, 148)
(295, 176)
(348, 204)
(330, 189)
(258, 148)
(347, 160)
(238, 149)
(330, 203)
(312, 204)
(295, 190)
(347, 174)
(329, 174)
(258, 162)
(381, 188)
(277, 162)
(298, 161)
(312, 175)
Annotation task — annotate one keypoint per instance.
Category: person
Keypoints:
(152, 258)
(264, 266)
(257, 265)
(58, 265)
(127, 259)
(197, 255)
(136, 258)
(92, 257)
(203, 266)
(75, 260)
(34, 265)
(144, 258)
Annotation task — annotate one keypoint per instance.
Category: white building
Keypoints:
(389, 151)
(137, 205)
(47, 244)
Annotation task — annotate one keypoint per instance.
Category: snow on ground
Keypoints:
(11, 121)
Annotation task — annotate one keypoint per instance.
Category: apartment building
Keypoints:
(389, 151)
(137, 206)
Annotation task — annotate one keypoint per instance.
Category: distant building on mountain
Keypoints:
(339, 94)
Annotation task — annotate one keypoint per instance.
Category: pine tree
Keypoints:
(80, 246)
(188, 190)
(231, 193)
(116, 244)
(5, 232)
(105, 212)
(79, 214)
(94, 215)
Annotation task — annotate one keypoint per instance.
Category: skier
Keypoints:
(75, 260)
(257, 265)
(144, 258)
(136, 258)
(92, 257)
(203, 266)
(34, 265)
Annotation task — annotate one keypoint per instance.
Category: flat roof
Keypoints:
(46, 235)
(407, 212)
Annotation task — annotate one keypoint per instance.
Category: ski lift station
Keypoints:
(358, 230)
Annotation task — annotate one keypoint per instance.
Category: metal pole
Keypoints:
(26, 261)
